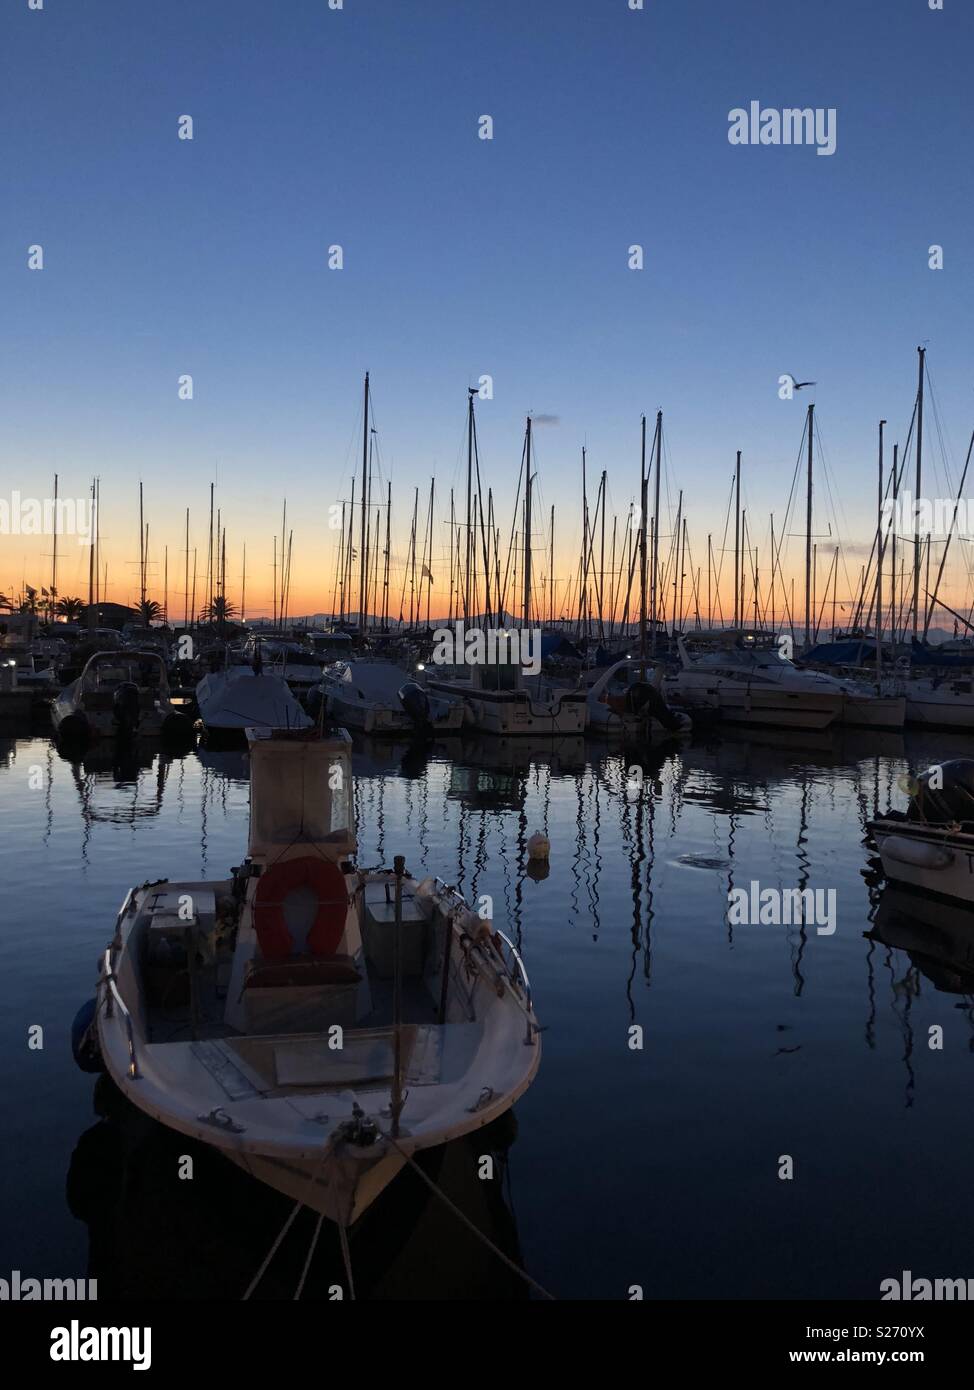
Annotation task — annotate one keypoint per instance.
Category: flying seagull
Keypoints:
(799, 384)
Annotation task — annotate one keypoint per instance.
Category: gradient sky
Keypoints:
(464, 257)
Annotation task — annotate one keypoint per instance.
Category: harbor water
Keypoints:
(724, 1109)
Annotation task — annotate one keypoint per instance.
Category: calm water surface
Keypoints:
(656, 1167)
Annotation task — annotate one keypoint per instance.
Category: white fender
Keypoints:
(919, 853)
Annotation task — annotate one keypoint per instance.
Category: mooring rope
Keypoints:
(475, 1230)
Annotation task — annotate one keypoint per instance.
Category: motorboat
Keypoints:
(942, 703)
(119, 693)
(500, 699)
(298, 665)
(317, 1023)
(930, 846)
(749, 680)
(379, 697)
(243, 696)
(623, 700)
(33, 671)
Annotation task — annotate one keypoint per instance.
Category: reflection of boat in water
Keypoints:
(409, 1245)
(493, 773)
(230, 764)
(938, 936)
(289, 1014)
(110, 783)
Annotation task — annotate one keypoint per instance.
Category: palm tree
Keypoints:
(70, 608)
(219, 610)
(149, 611)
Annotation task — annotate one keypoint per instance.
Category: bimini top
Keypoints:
(300, 793)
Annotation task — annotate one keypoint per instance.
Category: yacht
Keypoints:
(941, 703)
(748, 680)
(316, 1022)
(499, 699)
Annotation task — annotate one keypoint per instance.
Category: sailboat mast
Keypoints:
(186, 577)
(879, 562)
(141, 553)
(385, 577)
(921, 352)
(808, 525)
(659, 469)
(365, 493)
(737, 541)
(551, 570)
(469, 532)
(583, 603)
(527, 530)
(54, 559)
(643, 509)
(91, 562)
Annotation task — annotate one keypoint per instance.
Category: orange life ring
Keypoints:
(273, 888)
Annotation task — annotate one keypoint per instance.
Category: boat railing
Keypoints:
(524, 978)
(112, 996)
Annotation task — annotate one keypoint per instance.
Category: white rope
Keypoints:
(272, 1252)
(511, 1264)
(287, 1226)
(347, 1258)
(307, 1263)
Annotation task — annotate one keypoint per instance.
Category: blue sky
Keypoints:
(463, 256)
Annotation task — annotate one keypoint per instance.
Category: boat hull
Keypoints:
(742, 704)
(932, 859)
(873, 712)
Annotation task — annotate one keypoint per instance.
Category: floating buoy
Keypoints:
(84, 1039)
(539, 846)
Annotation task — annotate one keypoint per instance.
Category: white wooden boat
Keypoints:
(935, 858)
(119, 693)
(379, 697)
(261, 1014)
(931, 846)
